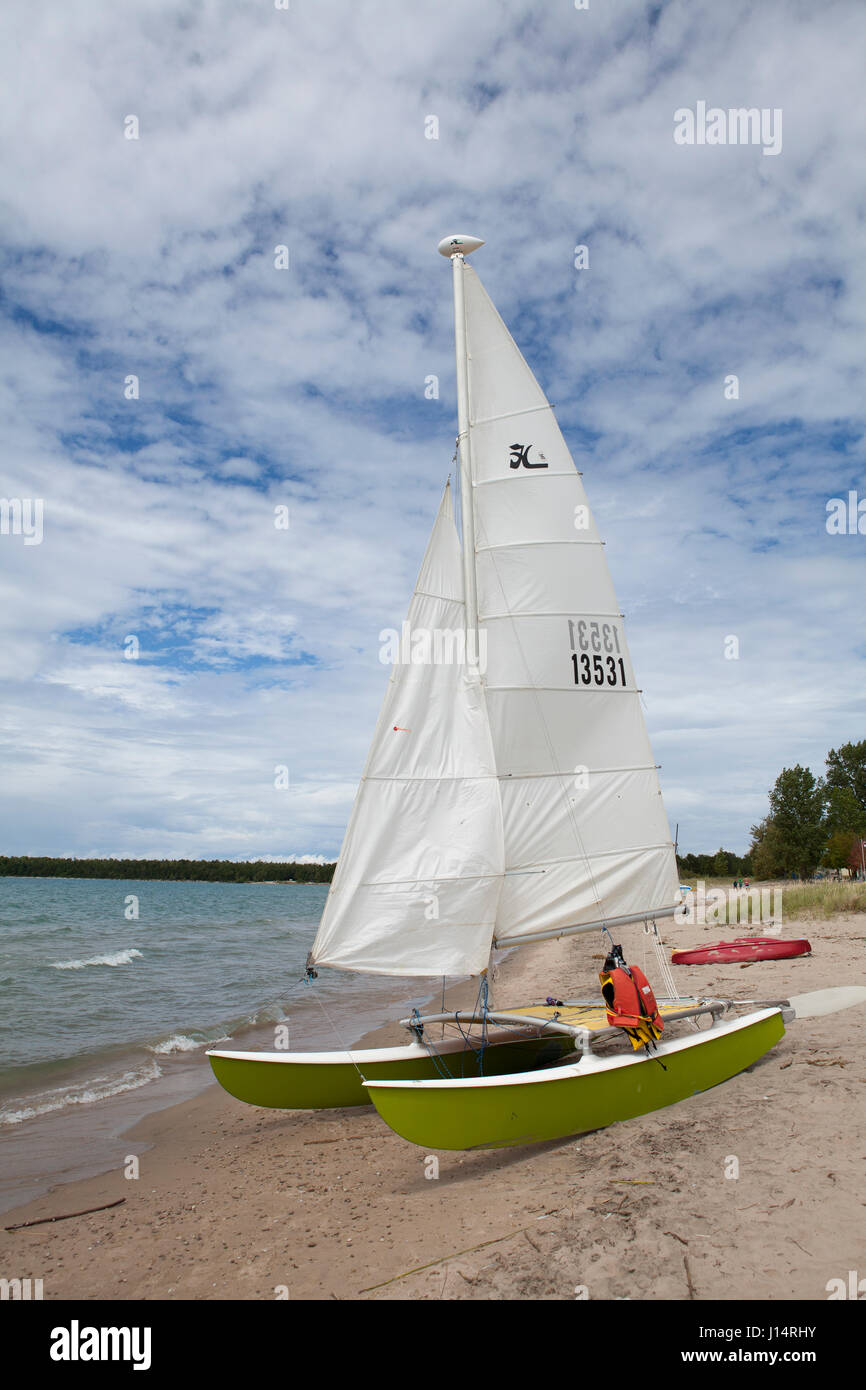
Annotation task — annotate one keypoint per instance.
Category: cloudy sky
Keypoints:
(259, 387)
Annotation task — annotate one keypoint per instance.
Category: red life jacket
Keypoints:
(633, 1000)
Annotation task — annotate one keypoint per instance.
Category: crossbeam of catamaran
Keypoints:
(589, 1028)
(509, 806)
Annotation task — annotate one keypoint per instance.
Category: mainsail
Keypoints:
(420, 871)
(586, 834)
(527, 804)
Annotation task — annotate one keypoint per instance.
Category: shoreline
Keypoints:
(236, 1202)
(94, 1136)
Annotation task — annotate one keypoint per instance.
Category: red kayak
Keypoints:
(742, 948)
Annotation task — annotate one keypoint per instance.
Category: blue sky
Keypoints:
(305, 388)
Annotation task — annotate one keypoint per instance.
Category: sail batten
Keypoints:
(500, 482)
(512, 414)
(542, 865)
(537, 689)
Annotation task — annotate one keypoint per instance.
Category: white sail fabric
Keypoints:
(419, 875)
(586, 834)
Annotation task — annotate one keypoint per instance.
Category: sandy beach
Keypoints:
(239, 1203)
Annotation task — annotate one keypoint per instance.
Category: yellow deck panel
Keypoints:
(591, 1016)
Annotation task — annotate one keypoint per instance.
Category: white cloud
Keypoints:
(304, 388)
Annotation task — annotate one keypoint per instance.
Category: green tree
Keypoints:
(767, 854)
(846, 771)
(797, 815)
(844, 811)
(840, 848)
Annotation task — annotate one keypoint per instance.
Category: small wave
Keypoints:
(267, 1015)
(116, 958)
(179, 1043)
(271, 1013)
(85, 1093)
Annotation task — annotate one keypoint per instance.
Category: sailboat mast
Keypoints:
(457, 248)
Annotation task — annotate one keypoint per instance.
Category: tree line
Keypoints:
(208, 870)
(814, 821)
(718, 865)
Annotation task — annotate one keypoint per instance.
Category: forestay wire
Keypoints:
(334, 1027)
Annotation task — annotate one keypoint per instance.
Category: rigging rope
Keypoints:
(664, 968)
(333, 1026)
(482, 1007)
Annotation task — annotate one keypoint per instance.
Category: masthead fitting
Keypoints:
(459, 245)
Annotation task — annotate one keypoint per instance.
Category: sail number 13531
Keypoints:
(596, 653)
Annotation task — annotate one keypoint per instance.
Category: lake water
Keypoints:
(111, 990)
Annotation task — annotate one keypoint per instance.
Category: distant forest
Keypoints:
(208, 870)
(717, 865)
(228, 871)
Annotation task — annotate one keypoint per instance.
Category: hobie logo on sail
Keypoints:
(520, 457)
(423, 646)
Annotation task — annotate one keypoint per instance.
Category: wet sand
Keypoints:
(239, 1203)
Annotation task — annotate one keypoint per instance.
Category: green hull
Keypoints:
(575, 1098)
(319, 1081)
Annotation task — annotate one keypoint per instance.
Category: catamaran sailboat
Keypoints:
(510, 796)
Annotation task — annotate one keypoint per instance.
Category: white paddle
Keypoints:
(827, 1001)
(812, 1005)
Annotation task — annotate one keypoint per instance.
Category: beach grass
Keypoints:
(820, 900)
(823, 900)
